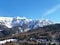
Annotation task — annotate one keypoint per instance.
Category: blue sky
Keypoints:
(34, 9)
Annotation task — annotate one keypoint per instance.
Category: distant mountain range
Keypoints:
(13, 25)
(22, 21)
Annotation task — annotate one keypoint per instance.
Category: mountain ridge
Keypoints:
(15, 21)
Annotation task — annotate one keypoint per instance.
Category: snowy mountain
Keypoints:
(23, 22)
(15, 25)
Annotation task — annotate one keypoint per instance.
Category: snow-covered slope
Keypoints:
(24, 22)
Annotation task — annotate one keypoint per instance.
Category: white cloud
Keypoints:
(55, 8)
